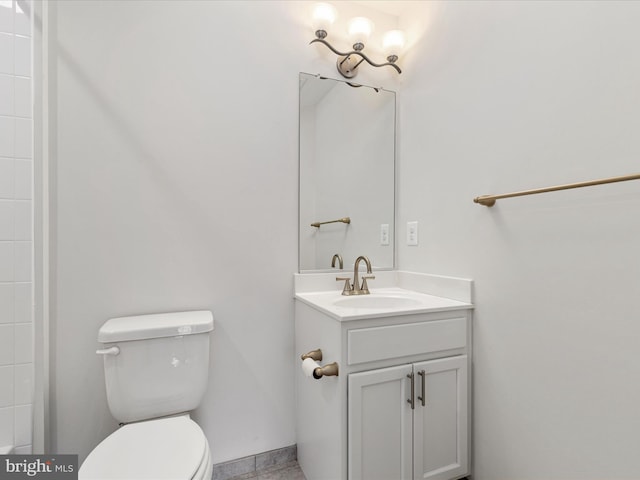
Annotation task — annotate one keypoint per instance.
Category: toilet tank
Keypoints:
(159, 366)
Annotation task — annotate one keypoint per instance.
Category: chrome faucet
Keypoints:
(355, 288)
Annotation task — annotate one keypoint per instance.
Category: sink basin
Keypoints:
(377, 302)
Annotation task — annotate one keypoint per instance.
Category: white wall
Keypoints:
(175, 157)
(176, 180)
(16, 231)
(503, 96)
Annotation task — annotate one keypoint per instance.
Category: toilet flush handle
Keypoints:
(108, 351)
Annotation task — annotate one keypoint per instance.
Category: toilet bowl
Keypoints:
(172, 448)
(156, 371)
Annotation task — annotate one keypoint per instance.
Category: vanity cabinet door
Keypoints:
(380, 424)
(441, 425)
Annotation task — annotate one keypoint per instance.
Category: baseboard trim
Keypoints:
(254, 463)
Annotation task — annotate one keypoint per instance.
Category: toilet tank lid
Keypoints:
(157, 325)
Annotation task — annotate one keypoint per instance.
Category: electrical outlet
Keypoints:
(412, 233)
(384, 234)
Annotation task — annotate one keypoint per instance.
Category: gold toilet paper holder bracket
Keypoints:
(313, 354)
(329, 370)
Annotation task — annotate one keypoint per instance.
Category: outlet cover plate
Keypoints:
(412, 233)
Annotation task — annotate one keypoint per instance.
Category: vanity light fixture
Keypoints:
(359, 29)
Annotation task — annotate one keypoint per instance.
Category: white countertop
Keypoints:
(381, 302)
(397, 293)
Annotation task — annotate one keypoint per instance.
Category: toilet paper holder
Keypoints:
(329, 370)
(313, 354)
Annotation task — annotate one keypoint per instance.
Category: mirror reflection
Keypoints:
(347, 174)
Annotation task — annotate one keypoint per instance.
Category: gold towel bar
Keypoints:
(490, 200)
(340, 220)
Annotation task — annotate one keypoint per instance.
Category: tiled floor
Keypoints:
(284, 471)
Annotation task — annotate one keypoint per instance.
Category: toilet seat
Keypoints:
(173, 448)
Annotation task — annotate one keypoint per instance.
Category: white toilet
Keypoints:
(156, 371)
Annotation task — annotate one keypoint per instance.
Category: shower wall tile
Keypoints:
(22, 261)
(22, 383)
(16, 225)
(22, 100)
(7, 220)
(6, 261)
(7, 97)
(23, 142)
(22, 223)
(6, 386)
(23, 302)
(6, 345)
(6, 17)
(22, 425)
(23, 343)
(6, 426)
(6, 303)
(22, 25)
(7, 135)
(6, 53)
(23, 179)
(6, 177)
(22, 56)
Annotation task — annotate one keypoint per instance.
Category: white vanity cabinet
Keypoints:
(423, 436)
(365, 424)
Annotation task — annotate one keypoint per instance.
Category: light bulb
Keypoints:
(324, 15)
(392, 44)
(360, 29)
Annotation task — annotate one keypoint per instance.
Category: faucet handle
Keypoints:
(347, 285)
(365, 287)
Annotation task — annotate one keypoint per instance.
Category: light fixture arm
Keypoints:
(346, 55)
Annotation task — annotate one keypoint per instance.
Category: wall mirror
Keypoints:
(347, 171)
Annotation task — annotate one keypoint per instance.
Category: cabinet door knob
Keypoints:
(423, 374)
(410, 400)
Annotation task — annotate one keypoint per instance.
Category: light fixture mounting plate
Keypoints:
(347, 66)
